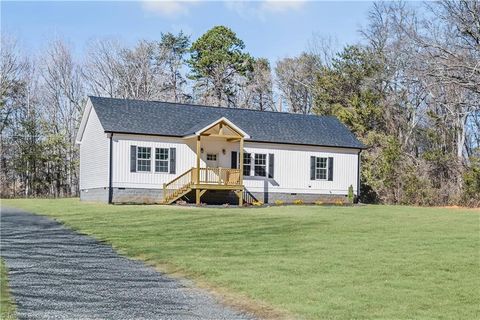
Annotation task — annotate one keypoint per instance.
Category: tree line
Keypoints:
(410, 90)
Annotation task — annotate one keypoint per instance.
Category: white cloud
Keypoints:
(259, 9)
(282, 5)
(244, 9)
(168, 8)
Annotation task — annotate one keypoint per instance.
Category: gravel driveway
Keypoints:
(56, 273)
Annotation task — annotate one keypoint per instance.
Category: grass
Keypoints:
(7, 307)
(383, 262)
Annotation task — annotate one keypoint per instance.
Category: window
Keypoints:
(247, 164)
(321, 168)
(211, 157)
(143, 158)
(161, 160)
(260, 168)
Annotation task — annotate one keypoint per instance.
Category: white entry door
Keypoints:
(212, 175)
(212, 160)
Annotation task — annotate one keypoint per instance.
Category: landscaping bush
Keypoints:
(350, 194)
(471, 185)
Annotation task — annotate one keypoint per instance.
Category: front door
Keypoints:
(212, 175)
(212, 160)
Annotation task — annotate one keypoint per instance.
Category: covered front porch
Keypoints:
(209, 173)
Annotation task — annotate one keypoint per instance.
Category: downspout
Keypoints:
(110, 172)
(358, 174)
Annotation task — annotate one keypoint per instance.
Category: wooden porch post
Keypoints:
(198, 159)
(164, 192)
(240, 197)
(197, 197)
(197, 191)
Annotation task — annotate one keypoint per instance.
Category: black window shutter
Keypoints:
(270, 165)
(312, 168)
(330, 169)
(133, 158)
(173, 159)
(234, 160)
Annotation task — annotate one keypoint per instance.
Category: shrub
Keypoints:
(318, 202)
(350, 194)
(471, 184)
(257, 203)
(298, 201)
(339, 202)
(279, 202)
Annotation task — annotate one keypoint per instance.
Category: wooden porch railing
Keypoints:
(184, 180)
(214, 176)
(221, 176)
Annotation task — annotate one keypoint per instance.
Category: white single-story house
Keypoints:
(134, 151)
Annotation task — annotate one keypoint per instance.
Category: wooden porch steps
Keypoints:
(177, 194)
(201, 180)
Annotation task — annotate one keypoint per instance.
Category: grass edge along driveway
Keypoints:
(6, 302)
(315, 262)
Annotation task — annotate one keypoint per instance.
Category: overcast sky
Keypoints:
(271, 29)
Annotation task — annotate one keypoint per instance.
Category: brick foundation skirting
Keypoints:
(144, 195)
(271, 197)
(137, 195)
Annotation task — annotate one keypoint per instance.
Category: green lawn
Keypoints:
(315, 262)
(7, 308)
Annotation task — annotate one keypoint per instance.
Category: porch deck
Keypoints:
(201, 180)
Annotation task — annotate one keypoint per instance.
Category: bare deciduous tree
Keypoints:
(63, 99)
(101, 68)
(257, 91)
(296, 81)
(170, 61)
(12, 67)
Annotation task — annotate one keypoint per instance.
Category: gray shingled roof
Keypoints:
(174, 119)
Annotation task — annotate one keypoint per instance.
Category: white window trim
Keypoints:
(155, 161)
(136, 162)
(253, 165)
(326, 169)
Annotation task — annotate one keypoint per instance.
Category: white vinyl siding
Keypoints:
(123, 178)
(94, 154)
(292, 164)
(292, 169)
